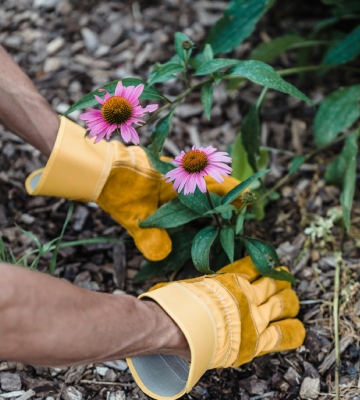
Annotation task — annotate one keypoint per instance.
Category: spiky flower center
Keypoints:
(194, 161)
(116, 110)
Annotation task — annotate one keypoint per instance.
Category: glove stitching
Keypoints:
(281, 303)
(239, 313)
(204, 306)
(227, 355)
(279, 337)
(133, 169)
(252, 317)
(103, 176)
(132, 155)
(171, 368)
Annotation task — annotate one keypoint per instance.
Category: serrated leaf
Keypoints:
(342, 173)
(197, 201)
(222, 208)
(267, 52)
(237, 23)
(336, 113)
(180, 253)
(206, 98)
(237, 190)
(160, 133)
(227, 239)
(165, 73)
(296, 164)
(208, 67)
(162, 166)
(149, 93)
(179, 39)
(200, 249)
(265, 75)
(170, 215)
(345, 51)
(265, 258)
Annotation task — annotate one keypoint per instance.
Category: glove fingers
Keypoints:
(284, 304)
(154, 243)
(245, 267)
(287, 334)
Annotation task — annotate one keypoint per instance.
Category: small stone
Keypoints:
(110, 376)
(310, 388)
(254, 385)
(292, 377)
(45, 3)
(55, 45)
(28, 219)
(71, 393)
(116, 395)
(101, 370)
(112, 34)
(199, 393)
(91, 39)
(10, 382)
(52, 64)
(9, 395)
(119, 365)
(310, 371)
(80, 215)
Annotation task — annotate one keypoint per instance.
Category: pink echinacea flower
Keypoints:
(194, 165)
(118, 112)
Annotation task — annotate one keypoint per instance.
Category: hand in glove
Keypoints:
(119, 179)
(227, 318)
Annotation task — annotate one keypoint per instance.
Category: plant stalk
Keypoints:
(339, 262)
(217, 219)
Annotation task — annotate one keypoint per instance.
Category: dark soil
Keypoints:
(65, 70)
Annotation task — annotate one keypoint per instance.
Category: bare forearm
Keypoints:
(47, 321)
(23, 110)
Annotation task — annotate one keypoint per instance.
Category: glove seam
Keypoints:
(281, 303)
(160, 355)
(252, 317)
(227, 355)
(205, 307)
(142, 172)
(103, 175)
(279, 338)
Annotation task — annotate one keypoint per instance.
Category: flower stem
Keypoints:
(217, 219)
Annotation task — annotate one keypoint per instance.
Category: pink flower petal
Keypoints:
(134, 95)
(99, 99)
(150, 108)
(125, 133)
(119, 89)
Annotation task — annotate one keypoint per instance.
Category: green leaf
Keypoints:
(265, 258)
(240, 220)
(197, 201)
(180, 253)
(268, 52)
(179, 39)
(296, 164)
(237, 23)
(207, 54)
(149, 93)
(222, 208)
(160, 133)
(240, 164)
(235, 192)
(200, 249)
(162, 166)
(165, 73)
(336, 113)
(218, 76)
(342, 173)
(263, 74)
(345, 51)
(227, 240)
(208, 67)
(170, 215)
(206, 98)
(250, 136)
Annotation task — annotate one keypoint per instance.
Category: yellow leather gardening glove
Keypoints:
(227, 318)
(119, 179)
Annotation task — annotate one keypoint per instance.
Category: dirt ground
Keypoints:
(69, 48)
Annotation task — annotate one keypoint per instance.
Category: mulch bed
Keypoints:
(69, 48)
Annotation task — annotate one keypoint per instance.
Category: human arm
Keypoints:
(23, 110)
(51, 322)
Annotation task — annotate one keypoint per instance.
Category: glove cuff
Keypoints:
(169, 377)
(77, 169)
